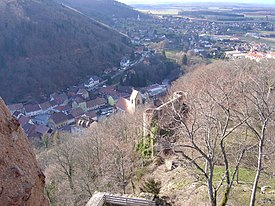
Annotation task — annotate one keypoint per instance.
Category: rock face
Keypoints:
(21, 180)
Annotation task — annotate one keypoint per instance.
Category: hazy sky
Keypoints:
(181, 1)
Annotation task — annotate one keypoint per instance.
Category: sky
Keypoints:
(182, 1)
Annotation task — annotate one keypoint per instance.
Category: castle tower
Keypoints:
(136, 98)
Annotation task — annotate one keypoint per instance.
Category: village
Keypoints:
(78, 107)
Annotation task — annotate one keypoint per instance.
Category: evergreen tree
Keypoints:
(163, 53)
(151, 186)
(184, 59)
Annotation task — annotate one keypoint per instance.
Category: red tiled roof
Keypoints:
(61, 98)
(79, 99)
(46, 105)
(63, 108)
(59, 117)
(32, 108)
(23, 120)
(91, 114)
(82, 91)
(96, 102)
(107, 90)
(125, 105)
(42, 129)
(77, 112)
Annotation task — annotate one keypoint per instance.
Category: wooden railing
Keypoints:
(118, 200)
(102, 201)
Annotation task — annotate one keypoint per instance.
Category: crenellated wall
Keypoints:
(152, 114)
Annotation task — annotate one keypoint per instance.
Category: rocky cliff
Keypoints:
(21, 180)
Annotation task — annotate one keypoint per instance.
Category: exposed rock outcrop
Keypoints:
(21, 180)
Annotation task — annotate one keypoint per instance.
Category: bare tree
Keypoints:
(65, 157)
(257, 89)
(208, 127)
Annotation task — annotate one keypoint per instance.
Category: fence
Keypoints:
(118, 200)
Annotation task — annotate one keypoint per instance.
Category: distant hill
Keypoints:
(104, 10)
(45, 47)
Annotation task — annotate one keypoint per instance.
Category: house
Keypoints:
(17, 114)
(77, 112)
(71, 119)
(32, 110)
(72, 90)
(38, 132)
(239, 56)
(28, 128)
(65, 109)
(124, 62)
(41, 119)
(60, 99)
(91, 115)
(57, 120)
(257, 56)
(53, 103)
(84, 93)
(96, 104)
(93, 81)
(45, 107)
(24, 120)
(231, 54)
(79, 102)
(156, 90)
(109, 90)
(112, 95)
(16, 107)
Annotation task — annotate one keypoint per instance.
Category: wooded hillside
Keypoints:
(45, 47)
(104, 10)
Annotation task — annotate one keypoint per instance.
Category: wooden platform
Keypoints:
(104, 199)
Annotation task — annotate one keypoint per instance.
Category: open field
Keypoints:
(269, 41)
(266, 32)
(161, 12)
(170, 54)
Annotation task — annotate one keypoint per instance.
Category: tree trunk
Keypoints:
(258, 173)
(212, 194)
(227, 177)
(225, 196)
